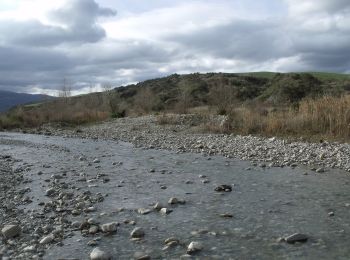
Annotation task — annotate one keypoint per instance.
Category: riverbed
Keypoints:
(266, 204)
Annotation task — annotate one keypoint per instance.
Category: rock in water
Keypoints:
(165, 211)
(157, 206)
(47, 240)
(141, 256)
(98, 254)
(50, 192)
(109, 227)
(137, 233)
(320, 170)
(10, 231)
(297, 237)
(143, 211)
(173, 201)
(224, 187)
(96, 161)
(194, 247)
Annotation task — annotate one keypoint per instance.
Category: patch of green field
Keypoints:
(31, 105)
(323, 76)
(330, 76)
(259, 74)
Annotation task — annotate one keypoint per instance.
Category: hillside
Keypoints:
(214, 88)
(254, 103)
(10, 99)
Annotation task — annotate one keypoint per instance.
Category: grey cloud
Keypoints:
(80, 16)
(80, 20)
(333, 6)
(266, 40)
(22, 66)
(32, 59)
(240, 39)
(31, 33)
(33, 53)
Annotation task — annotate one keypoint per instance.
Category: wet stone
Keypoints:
(137, 233)
(50, 192)
(223, 188)
(93, 230)
(297, 237)
(165, 211)
(194, 247)
(98, 254)
(141, 256)
(92, 243)
(320, 170)
(109, 227)
(226, 215)
(173, 201)
(158, 206)
(47, 240)
(144, 211)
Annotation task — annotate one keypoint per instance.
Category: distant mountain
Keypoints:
(10, 99)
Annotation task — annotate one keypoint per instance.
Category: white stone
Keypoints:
(194, 247)
(98, 254)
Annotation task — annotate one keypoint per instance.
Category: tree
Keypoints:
(66, 90)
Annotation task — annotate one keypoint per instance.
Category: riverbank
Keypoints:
(182, 133)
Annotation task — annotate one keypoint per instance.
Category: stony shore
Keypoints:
(64, 198)
(182, 135)
(28, 233)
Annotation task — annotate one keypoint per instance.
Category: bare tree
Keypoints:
(223, 97)
(144, 100)
(66, 90)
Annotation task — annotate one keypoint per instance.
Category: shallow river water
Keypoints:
(266, 203)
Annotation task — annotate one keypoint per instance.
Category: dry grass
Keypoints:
(167, 119)
(58, 111)
(326, 116)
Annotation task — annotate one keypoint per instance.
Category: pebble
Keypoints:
(320, 170)
(297, 237)
(109, 227)
(173, 201)
(158, 206)
(47, 239)
(165, 211)
(98, 254)
(92, 243)
(93, 229)
(137, 233)
(50, 192)
(10, 231)
(194, 247)
(141, 256)
(144, 211)
(226, 215)
(224, 188)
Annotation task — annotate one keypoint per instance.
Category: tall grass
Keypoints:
(326, 116)
(58, 111)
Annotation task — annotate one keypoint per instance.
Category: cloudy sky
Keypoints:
(92, 42)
